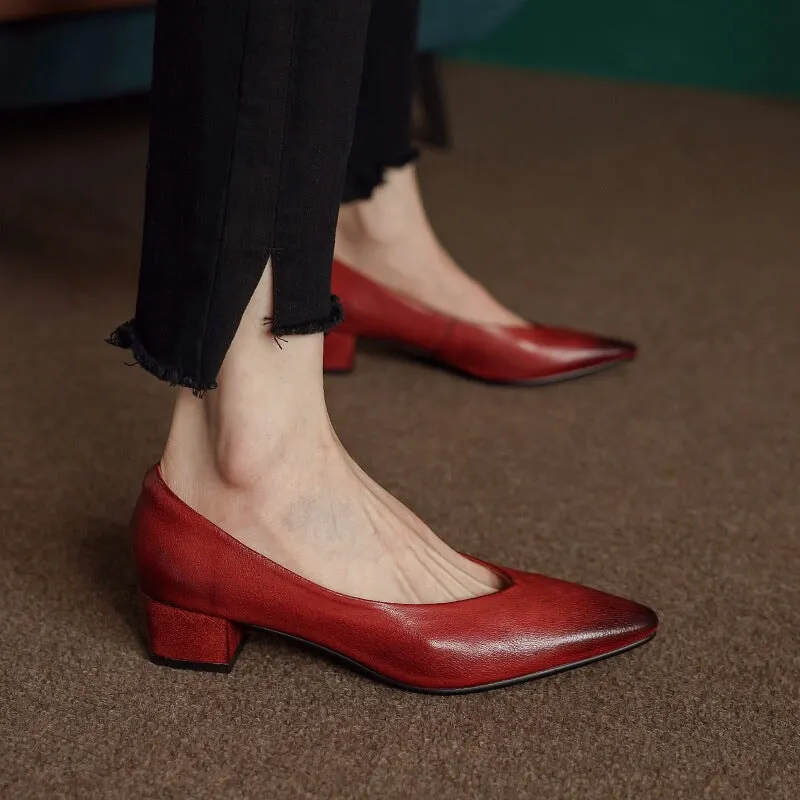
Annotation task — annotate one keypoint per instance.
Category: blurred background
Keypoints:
(627, 167)
(65, 50)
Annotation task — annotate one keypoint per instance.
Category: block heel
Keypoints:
(188, 640)
(340, 352)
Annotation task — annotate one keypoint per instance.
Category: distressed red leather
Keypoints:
(528, 354)
(202, 588)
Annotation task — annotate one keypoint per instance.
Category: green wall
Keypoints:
(744, 45)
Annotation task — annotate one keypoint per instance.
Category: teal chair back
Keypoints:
(446, 23)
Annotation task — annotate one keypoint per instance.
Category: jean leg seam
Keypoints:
(287, 108)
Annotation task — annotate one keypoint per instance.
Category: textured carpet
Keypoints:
(669, 216)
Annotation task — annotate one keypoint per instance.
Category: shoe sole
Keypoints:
(376, 676)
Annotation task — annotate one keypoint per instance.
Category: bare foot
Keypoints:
(258, 457)
(390, 239)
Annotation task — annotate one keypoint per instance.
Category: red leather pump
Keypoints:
(529, 355)
(202, 589)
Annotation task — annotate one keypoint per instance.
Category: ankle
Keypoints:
(361, 226)
(215, 442)
(389, 217)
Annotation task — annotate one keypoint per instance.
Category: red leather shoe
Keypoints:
(202, 588)
(530, 355)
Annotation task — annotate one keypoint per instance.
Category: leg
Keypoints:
(383, 229)
(382, 136)
(395, 279)
(253, 469)
(253, 107)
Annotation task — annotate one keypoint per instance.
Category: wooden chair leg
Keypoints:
(434, 125)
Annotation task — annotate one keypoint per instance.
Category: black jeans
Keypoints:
(255, 105)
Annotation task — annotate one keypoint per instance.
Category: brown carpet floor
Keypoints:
(670, 216)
